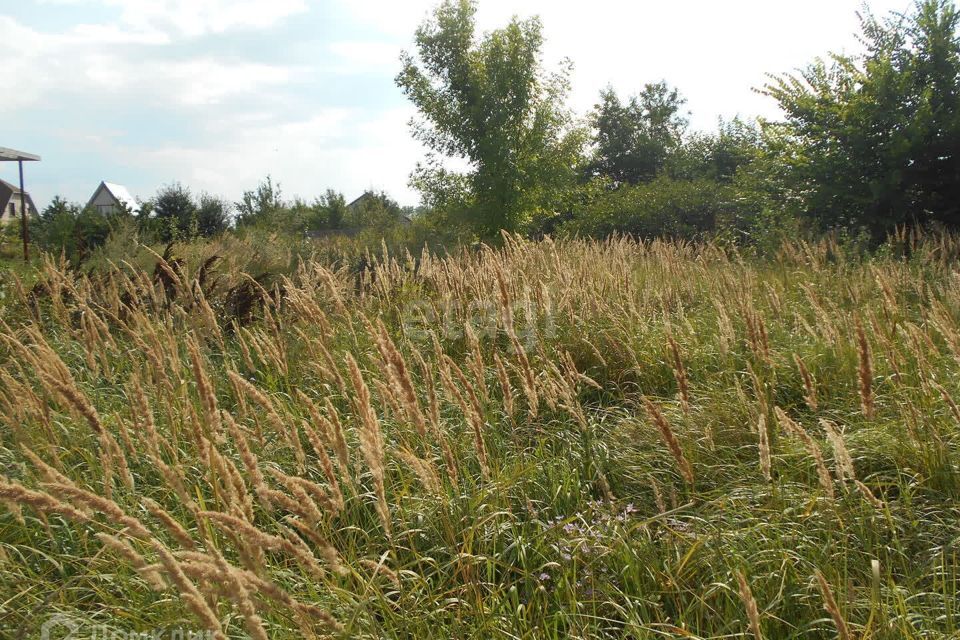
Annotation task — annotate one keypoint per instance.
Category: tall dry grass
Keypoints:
(538, 439)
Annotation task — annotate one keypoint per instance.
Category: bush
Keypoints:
(67, 228)
(664, 207)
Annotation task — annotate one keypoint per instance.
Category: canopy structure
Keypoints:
(12, 155)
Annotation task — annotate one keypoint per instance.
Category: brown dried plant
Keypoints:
(670, 439)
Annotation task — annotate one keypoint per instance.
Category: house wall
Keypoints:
(104, 202)
(6, 216)
(11, 209)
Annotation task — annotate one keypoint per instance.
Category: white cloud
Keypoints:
(198, 17)
(103, 35)
(205, 81)
(90, 58)
(192, 18)
(20, 47)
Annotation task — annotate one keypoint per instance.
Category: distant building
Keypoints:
(110, 198)
(368, 212)
(372, 198)
(10, 203)
(366, 196)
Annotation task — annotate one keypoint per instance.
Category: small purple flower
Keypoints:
(544, 577)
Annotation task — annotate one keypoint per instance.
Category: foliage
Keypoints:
(330, 211)
(716, 155)
(263, 206)
(487, 101)
(175, 212)
(373, 209)
(67, 229)
(663, 207)
(265, 209)
(871, 141)
(9, 235)
(648, 177)
(632, 141)
(213, 215)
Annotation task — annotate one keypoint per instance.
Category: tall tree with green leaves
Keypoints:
(716, 155)
(487, 100)
(331, 210)
(260, 205)
(213, 215)
(175, 212)
(632, 140)
(873, 141)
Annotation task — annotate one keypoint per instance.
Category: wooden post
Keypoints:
(25, 232)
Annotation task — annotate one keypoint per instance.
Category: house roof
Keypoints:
(368, 194)
(119, 193)
(14, 188)
(364, 196)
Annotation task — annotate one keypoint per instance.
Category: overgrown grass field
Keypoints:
(573, 439)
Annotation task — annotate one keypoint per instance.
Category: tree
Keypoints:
(872, 141)
(213, 215)
(632, 140)
(718, 155)
(67, 228)
(55, 229)
(374, 209)
(330, 210)
(175, 212)
(488, 101)
(259, 206)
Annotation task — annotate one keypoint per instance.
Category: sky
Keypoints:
(217, 94)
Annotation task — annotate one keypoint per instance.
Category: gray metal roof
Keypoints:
(12, 155)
